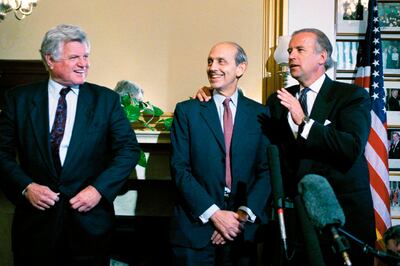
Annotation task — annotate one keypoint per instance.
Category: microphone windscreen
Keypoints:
(310, 237)
(276, 177)
(320, 202)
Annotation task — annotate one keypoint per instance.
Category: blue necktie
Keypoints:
(57, 131)
(303, 100)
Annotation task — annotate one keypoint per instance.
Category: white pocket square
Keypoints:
(327, 122)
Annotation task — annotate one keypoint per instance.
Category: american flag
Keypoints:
(370, 76)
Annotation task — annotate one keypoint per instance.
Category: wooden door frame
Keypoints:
(275, 25)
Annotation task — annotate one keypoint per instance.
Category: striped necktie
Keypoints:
(303, 100)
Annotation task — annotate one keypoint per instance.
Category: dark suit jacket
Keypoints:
(394, 151)
(393, 104)
(198, 167)
(334, 150)
(102, 152)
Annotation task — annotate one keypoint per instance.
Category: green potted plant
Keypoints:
(142, 115)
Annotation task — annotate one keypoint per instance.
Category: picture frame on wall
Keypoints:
(392, 100)
(391, 56)
(394, 195)
(346, 55)
(389, 16)
(351, 16)
(394, 148)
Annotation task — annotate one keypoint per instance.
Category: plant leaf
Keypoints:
(125, 100)
(142, 160)
(168, 123)
(157, 111)
(132, 113)
(148, 111)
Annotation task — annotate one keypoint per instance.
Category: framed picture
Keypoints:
(394, 148)
(392, 101)
(346, 55)
(351, 16)
(345, 79)
(391, 56)
(389, 16)
(394, 186)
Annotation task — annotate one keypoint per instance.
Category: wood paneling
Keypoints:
(18, 72)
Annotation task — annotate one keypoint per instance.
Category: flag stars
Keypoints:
(376, 63)
(375, 41)
(375, 96)
(376, 30)
(376, 73)
(376, 51)
(375, 85)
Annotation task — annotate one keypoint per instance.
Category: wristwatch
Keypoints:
(304, 121)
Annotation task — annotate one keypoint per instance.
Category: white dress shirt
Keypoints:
(72, 100)
(311, 96)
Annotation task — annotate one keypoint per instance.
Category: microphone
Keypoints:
(313, 250)
(277, 189)
(384, 256)
(324, 210)
(390, 258)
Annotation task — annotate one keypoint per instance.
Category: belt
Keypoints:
(226, 195)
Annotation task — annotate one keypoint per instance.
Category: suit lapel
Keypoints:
(39, 115)
(210, 115)
(241, 118)
(323, 103)
(240, 130)
(83, 117)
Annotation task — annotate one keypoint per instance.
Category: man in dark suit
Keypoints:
(64, 192)
(394, 149)
(393, 103)
(221, 195)
(326, 137)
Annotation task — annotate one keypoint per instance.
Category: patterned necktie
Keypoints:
(57, 131)
(228, 129)
(303, 100)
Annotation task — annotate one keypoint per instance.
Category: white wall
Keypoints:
(318, 14)
(160, 44)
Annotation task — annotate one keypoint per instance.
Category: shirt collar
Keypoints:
(316, 86)
(219, 98)
(55, 87)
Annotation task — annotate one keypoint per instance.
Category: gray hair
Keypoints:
(125, 87)
(240, 56)
(323, 43)
(54, 39)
